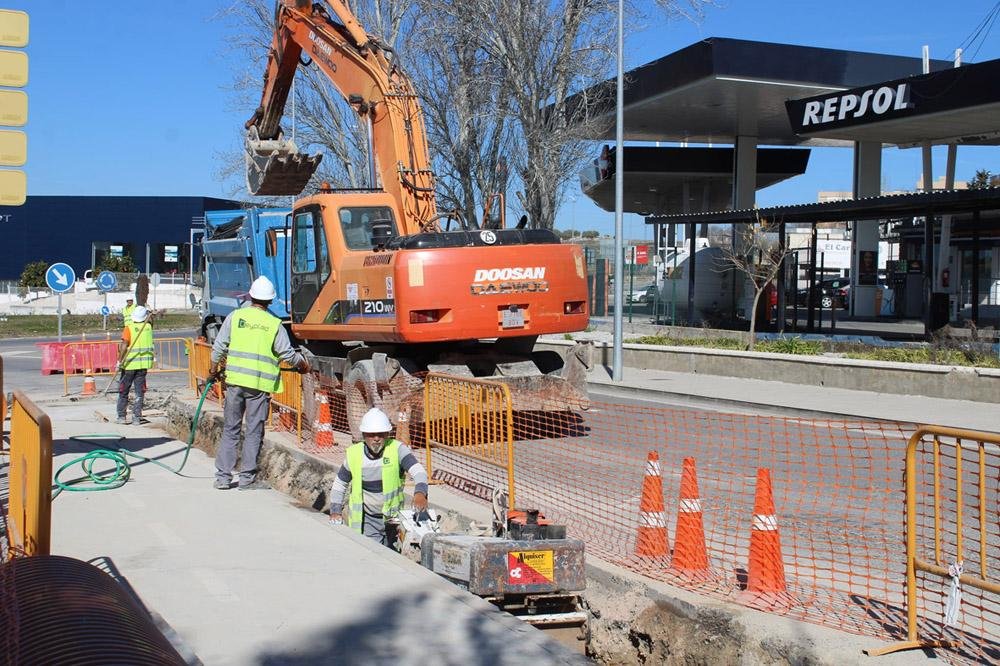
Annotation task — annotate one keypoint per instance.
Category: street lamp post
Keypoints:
(616, 358)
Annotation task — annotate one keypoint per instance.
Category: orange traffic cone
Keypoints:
(766, 569)
(323, 425)
(89, 385)
(652, 540)
(690, 553)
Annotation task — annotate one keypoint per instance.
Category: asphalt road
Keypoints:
(22, 364)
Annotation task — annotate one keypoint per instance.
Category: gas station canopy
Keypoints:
(719, 88)
(658, 179)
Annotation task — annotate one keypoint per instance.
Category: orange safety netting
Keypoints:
(836, 486)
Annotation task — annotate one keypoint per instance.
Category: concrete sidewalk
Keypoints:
(817, 401)
(250, 578)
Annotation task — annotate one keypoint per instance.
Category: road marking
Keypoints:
(215, 585)
(166, 535)
(29, 353)
(131, 501)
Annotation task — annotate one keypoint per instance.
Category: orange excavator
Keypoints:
(382, 285)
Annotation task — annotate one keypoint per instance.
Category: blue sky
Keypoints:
(131, 98)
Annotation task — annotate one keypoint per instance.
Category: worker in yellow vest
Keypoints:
(136, 360)
(373, 471)
(250, 345)
(127, 311)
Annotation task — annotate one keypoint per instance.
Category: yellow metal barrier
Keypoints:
(101, 357)
(473, 418)
(290, 399)
(950, 450)
(29, 507)
(3, 408)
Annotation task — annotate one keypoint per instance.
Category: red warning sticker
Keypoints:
(529, 567)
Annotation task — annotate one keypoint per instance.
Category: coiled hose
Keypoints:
(118, 475)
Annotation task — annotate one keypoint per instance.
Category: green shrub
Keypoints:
(123, 264)
(924, 355)
(711, 343)
(795, 345)
(33, 274)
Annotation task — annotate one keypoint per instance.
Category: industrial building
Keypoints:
(82, 230)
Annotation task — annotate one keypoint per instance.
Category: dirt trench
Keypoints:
(632, 624)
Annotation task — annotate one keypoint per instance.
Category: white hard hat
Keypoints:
(375, 421)
(262, 289)
(139, 314)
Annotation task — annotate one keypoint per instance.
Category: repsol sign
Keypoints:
(860, 105)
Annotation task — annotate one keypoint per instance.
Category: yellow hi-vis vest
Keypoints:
(139, 351)
(250, 361)
(127, 314)
(392, 484)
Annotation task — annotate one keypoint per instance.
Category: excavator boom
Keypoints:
(382, 267)
(365, 73)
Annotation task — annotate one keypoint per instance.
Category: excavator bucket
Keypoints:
(275, 167)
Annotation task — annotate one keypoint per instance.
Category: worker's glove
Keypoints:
(420, 501)
(303, 366)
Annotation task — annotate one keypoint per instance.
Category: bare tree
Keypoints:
(759, 258)
(546, 51)
(462, 93)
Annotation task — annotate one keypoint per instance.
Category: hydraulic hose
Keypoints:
(118, 475)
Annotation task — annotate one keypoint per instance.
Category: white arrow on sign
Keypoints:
(60, 277)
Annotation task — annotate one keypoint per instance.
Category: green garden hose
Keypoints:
(120, 473)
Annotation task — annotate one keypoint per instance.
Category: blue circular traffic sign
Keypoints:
(106, 281)
(105, 310)
(60, 277)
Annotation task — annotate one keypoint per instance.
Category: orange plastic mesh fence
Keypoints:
(957, 497)
(837, 486)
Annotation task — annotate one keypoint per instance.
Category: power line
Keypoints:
(978, 34)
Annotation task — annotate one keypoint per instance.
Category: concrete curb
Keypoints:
(703, 401)
(932, 381)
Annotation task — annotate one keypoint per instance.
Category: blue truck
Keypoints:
(238, 247)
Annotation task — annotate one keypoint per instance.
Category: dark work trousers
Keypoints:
(130, 378)
(254, 404)
(375, 526)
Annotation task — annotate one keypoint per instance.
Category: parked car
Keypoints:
(828, 294)
(645, 295)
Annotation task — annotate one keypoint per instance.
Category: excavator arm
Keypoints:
(364, 72)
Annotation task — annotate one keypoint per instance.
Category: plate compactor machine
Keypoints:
(527, 568)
